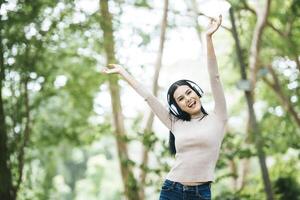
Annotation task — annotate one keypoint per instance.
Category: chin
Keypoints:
(198, 107)
(193, 112)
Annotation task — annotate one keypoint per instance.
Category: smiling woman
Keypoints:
(184, 96)
(195, 135)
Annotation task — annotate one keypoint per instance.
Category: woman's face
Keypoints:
(187, 100)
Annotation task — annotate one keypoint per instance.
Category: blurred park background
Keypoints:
(69, 132)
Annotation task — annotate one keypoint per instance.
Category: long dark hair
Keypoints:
(182, 114)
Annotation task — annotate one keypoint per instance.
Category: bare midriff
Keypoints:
(192, 183)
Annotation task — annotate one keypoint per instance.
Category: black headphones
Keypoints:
(194, 86)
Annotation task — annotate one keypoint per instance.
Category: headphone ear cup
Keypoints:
(174, 110)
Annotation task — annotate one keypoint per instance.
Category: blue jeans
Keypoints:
(176, 191)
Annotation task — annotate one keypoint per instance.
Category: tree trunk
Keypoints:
(245, 171)
(256, 41)
(233, 168)
(6, 187)
(253, 64)
(129, 182)
(148, 128)
(250, 101)
(297, 61)
(26, 136)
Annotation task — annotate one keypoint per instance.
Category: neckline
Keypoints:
(199, 118)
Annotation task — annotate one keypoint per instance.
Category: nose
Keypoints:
(188, 100)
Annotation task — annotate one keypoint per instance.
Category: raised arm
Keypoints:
(215, 82)
(159, 110)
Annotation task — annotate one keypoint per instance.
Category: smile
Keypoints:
(192, 104)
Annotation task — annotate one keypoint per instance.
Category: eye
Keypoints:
(180, 99)
(189, 92)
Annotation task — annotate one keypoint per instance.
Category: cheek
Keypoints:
(181, 105)
(199, 102)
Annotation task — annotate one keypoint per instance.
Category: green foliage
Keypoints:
(234, 148)
(142, 3)
(71, 153)
(287, 188)
(149, 139)
(286, 179)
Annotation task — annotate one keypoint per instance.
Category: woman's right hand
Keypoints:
(114, 69)
(213, 26)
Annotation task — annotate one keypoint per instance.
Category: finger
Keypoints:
(111, 65)
(103, 71)
(108, 72)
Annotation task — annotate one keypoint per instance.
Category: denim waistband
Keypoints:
(182, 187)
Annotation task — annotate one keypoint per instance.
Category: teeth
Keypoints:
(190, 105)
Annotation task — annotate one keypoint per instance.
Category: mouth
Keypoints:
(192, 104)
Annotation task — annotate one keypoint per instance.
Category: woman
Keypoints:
(195, 135)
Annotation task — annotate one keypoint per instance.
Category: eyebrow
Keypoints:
(185, 93)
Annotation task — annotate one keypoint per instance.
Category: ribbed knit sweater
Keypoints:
(197, 141)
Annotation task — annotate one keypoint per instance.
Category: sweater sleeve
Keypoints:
(156, 106)
(217, 90)
(160, 111)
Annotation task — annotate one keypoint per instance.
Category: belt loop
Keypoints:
(173, 184)
(197, 191)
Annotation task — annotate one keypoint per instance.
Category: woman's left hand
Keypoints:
(213, 26)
